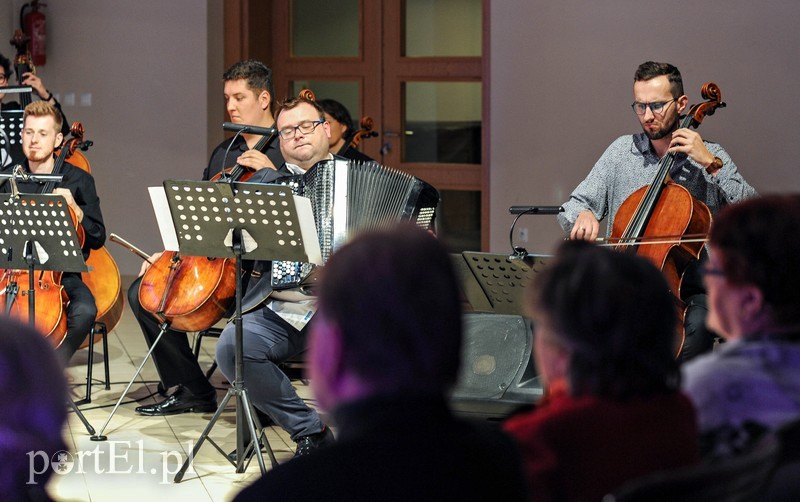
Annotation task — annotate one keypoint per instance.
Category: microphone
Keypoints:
(248, 129)
(536, 209)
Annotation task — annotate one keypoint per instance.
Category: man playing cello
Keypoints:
(704, 168)
(41, 134)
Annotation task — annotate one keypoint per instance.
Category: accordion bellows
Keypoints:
(349, 197)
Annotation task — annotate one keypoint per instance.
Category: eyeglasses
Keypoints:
(306, 127)
(3, 78)
(657, 107)
(709, 270)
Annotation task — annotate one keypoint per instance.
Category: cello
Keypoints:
(364, 131)
(664, 215)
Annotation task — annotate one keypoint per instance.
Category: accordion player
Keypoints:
(349, 197)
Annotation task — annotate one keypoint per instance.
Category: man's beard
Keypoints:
(663, 132)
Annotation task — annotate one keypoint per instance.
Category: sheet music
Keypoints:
(164, 218)
(308, 229)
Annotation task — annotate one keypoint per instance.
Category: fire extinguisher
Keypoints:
(34, 24)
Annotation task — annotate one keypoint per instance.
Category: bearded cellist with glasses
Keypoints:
(702, 167)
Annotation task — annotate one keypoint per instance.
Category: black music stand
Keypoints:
(495, 282)
(38, 234)
(11, 136)
(242, 221)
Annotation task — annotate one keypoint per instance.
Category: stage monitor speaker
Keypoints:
(497, 373)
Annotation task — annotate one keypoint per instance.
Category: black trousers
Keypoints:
(81, 313)
(698, 339)
(173, 355)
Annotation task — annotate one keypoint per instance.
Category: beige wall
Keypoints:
(561, 77)
(149, 66)
(561, 85)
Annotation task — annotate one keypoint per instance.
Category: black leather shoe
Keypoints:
(182, 401)
(307, 444)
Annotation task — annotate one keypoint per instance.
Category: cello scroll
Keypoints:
(713, 96)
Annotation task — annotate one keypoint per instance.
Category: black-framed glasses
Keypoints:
(3, 78)
(655, 107)
(306, 127)
(707, 269)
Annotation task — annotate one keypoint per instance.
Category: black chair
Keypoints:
(741, 478)
(198, 339)
(784, 485)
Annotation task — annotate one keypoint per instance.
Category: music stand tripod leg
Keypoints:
(82, 418)
(244, 408)
(100, 436)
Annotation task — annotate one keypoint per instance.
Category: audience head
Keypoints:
(34, 396)
(340, 120)
(753, 268)
(389, 318)
(605, 324)
(303, 132)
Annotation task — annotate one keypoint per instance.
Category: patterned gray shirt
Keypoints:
(630, 163)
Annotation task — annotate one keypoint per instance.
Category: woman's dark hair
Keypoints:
(6, 64)
(338, 111)
(615, 312)
(757, 243)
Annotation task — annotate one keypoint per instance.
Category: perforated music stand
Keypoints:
(11, 124)
(37, 233)
(493, 282)
(244, 221)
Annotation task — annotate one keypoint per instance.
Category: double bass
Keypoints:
(103, 278)
(662, 221)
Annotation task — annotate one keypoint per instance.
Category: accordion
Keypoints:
(349, 197)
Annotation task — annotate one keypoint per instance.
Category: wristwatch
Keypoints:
(715, 166)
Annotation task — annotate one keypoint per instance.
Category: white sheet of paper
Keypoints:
(308, 229)
(164, 218)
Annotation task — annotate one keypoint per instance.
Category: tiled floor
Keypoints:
(142, 454)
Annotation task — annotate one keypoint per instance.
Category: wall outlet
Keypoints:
(522, 234)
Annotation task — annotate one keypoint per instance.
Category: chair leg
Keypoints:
(105, 358)
(97, 327)
(211, 370)
(198, 340)
(89, 365)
